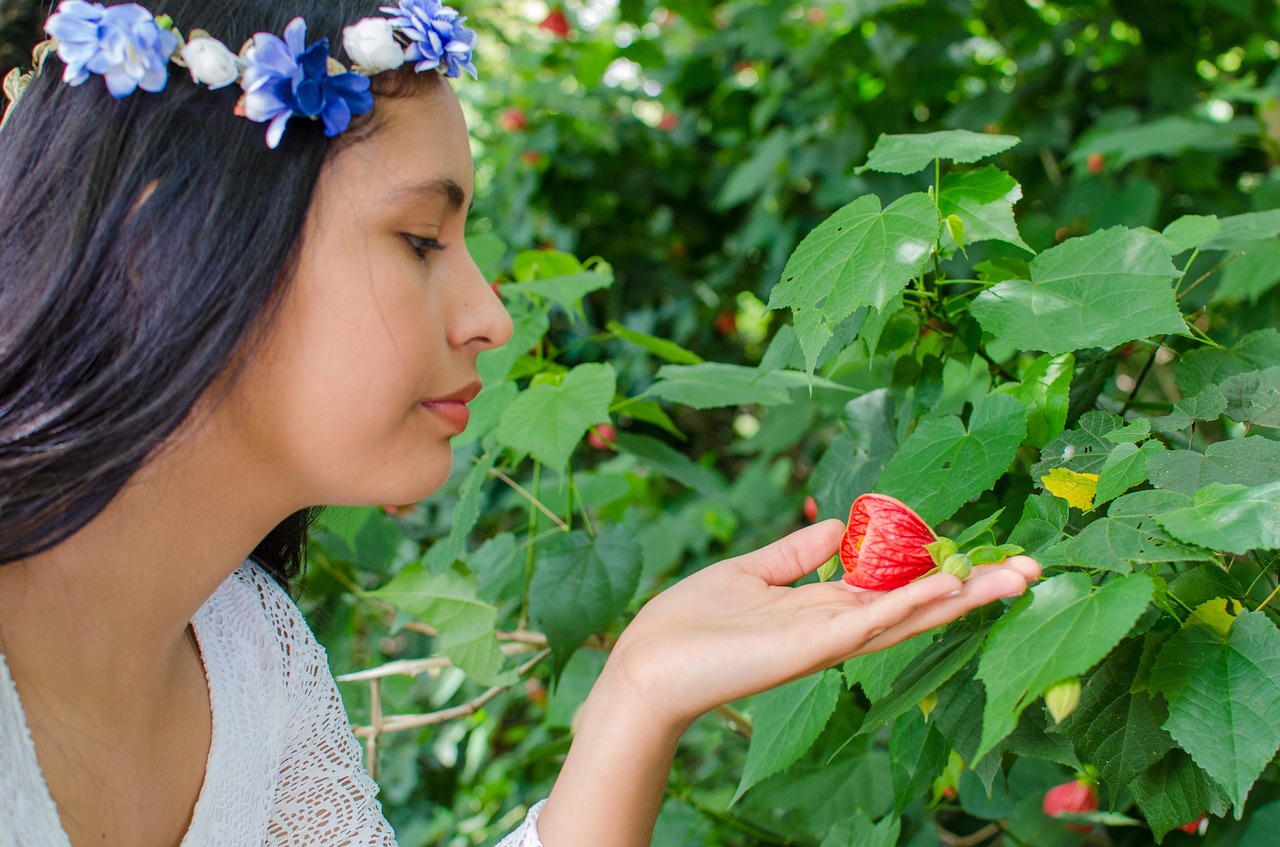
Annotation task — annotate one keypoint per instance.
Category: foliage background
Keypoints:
(693, 149)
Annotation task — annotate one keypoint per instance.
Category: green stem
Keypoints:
(1183, 276)
(529, 556)
(1137, 383)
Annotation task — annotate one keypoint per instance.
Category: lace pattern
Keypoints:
(283, 767)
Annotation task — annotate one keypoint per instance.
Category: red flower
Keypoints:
(513, 120)
(726, 323)
(556, 23)
(810, 509)
(602, 436)
(884, 545)
(1076, 797)
(1094, 163)
(1197, 826)
(668, 123)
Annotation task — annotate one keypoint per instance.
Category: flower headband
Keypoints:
(281, 77)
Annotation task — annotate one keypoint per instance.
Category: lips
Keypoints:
(452, 408)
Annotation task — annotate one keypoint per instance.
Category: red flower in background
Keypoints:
(1197, 826)
(513, 120)
(1076, 797)
(602, 436)
(884, 544)
(556, 23)
(810, 509)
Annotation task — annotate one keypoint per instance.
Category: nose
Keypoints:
(483, 321)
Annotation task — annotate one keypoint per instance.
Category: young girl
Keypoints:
(215, 314)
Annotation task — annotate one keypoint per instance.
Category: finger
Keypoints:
(977, 591)
(1025, 565)
(791, 557)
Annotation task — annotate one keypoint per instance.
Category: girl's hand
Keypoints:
(735, 628)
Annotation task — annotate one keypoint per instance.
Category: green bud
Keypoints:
(928, 704)
(164, 21)
(957, 564)
(1061, 698)
(942, 548)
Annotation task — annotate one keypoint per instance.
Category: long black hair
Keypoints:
(143, 242)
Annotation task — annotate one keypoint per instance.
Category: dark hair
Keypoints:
(143, 242)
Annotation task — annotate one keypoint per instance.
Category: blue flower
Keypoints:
(122, 43)
(283, 78)
(436, 36)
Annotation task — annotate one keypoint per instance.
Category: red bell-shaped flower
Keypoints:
(1077, 797)
(884, 544)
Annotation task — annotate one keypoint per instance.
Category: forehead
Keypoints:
(418, 149)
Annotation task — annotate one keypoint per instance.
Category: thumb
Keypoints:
(791, 557)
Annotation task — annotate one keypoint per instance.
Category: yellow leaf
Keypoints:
(1076, 488)
(1216, 614)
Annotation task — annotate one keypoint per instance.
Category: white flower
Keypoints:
(210, 62)
(372, 47)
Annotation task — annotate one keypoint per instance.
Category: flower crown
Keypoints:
(281, 77)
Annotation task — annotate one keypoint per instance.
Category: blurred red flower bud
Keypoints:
(1094, 163)
(669, 122)
(884, 544)
(556, 23)
(726, 323)
(1077, 797)
(532, 158)
(1197, 826)
(810, 509)
(513, 120)
(602, 436)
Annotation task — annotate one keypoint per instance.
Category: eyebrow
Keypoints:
(454, 196)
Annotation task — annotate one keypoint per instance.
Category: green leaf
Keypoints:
(907, 154)
(449, 549)
(1254, 271)
(855, 458)
(565, 291)
(1124, 468)
(674, 464)
(875, 672)
(1199, 368)
(582, 584)
(857, 829)
(1208, 405)
(447, 602)
(983, 199)
(755, 174)
(1264, 823)
(1118, 731)
(530, 265)
(660, 347)
(1190, 231)
(1043, 519)
(1166, 136)
(1238, 231)
(1249, 461)
(917, 755)
(942, 659)
(1119, 541)
(1045, 390)
(495, 365)
(1254, 397)
(712, 385)
(860, 256)
(943, 464)
(1068, 626)
(1173, 792)
(787, 720)
(1229, 517)
(1083, 450)
(1098, 290)
(548, 421)
(1223, 697)
(1131, 433)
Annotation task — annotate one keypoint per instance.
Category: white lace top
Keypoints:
(283, 768)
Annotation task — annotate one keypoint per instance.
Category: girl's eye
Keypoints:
(422, 246)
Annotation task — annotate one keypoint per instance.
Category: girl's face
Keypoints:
(364, 374)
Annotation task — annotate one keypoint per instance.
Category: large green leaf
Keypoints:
(755, 174)
(582, 584)
(787, 720)
(858, 829)
(565, 291)
(937, 663)
(907, 154)
(1229, 517)
(466, 512)
(1249, 461)
(855, 458)
(1173, 792)
(529, 327)
(1254, 271)
(1208, 405)
(1164, 136)
(447, 602)
(1118, 731)
(1239, 231)
(1098, 290)
(674, 464)
(860, 256)
(547, 421)
(1199, 368)
(983, 199)
(1119, 541)
(1224, 695)
(917, 755)
(1083, 449)
(712, 385)
(875, 672)
(1123, 469)
(1045, 390)
(943, 464)
(661, 347)
(1254, 397)
(1068, 626)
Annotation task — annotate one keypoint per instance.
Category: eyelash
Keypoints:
(423, 246)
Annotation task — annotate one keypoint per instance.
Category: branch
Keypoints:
(524, 492)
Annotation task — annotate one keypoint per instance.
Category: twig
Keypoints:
(738, 722)
(971, 840)
(1206, 275)
(524, 492)
(1137, 383)
(401, 723)
(414, 667)
(523, 636)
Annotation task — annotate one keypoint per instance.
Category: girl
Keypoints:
(209, 326)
